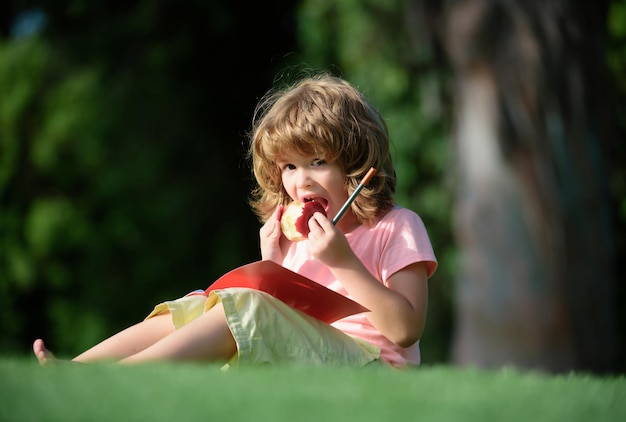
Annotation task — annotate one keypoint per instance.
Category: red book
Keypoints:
(293, 289)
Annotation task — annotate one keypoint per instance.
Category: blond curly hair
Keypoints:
(324, 116)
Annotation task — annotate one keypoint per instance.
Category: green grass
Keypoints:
(186, 392)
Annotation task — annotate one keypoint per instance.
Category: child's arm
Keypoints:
(399, 311)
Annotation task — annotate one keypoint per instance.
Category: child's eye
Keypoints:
(318, 162)
(288, 166)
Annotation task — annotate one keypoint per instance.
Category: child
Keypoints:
(313, 141)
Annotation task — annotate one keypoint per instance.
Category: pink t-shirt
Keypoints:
(394, 242)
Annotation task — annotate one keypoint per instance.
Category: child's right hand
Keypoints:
(327, 243)
(270, 238)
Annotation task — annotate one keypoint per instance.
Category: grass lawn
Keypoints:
(190, 392)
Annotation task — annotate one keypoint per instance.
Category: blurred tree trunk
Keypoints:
(533, 222)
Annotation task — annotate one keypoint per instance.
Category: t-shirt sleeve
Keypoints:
(407, 243)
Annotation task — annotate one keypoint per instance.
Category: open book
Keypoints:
(293, 289)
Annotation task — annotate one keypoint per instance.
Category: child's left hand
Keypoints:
(326, 242)
(271, 238)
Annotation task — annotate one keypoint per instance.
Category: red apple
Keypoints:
(295, 219)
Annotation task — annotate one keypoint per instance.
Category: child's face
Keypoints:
(309, 177)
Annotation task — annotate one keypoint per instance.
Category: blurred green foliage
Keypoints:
(616, 60)
(122, 174)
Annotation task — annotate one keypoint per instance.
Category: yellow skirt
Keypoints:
(267, 330)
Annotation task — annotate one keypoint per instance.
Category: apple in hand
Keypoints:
(295, 219)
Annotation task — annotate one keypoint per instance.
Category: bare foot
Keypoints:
(44, 355)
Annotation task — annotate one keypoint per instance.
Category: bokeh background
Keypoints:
(123, 178)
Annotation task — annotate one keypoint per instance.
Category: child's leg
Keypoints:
(129, 341)
(121, 345)
(207, 338)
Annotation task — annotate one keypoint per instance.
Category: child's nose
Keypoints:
(304, 179)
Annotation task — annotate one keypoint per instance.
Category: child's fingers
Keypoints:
(322, 221)
(319, 225)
